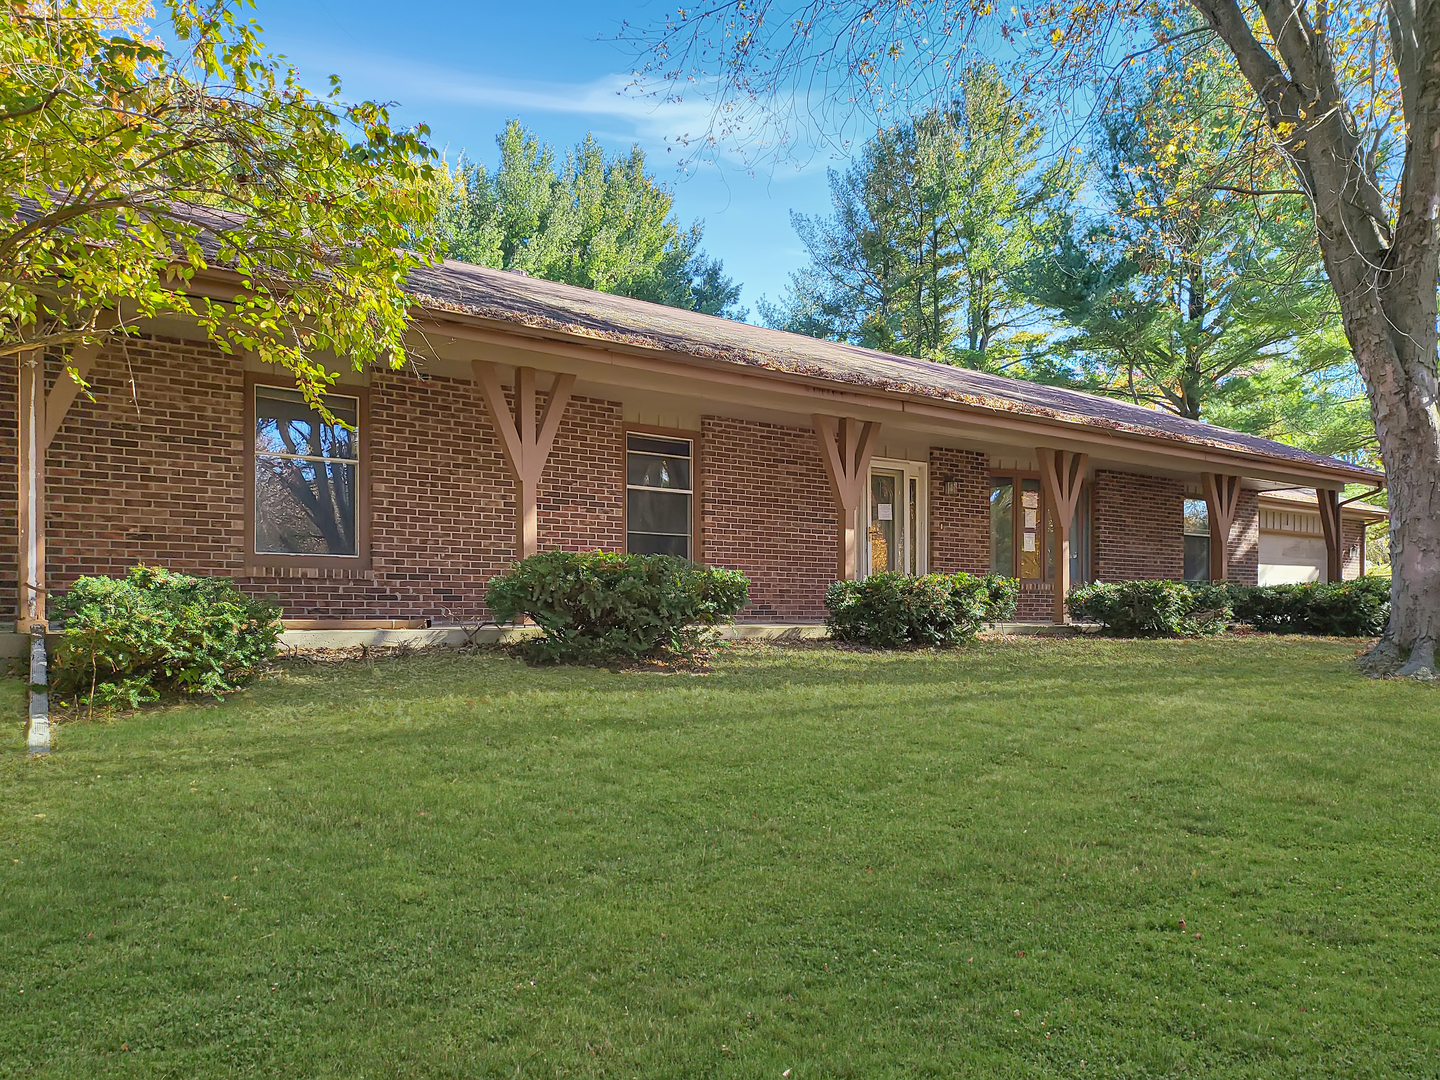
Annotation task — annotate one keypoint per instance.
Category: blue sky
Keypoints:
(464, 68)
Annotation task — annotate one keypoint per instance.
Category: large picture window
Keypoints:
(307, 475)
(659, 496)
(1197, 540)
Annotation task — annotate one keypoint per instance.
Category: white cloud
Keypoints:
(616, 100)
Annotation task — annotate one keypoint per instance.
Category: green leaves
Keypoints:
(892, 610)
(591, 220)
(932, 228)
(128, 640)
(126, 167)
(1152, 608)
(598, 605)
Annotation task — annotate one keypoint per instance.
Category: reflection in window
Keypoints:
(1197, 540)
(1002, 527)
(659, 494)
(306, 475)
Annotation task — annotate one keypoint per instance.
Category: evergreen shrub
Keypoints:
(126, 641)
(893, 610)
(1151, 608)
(599, 606)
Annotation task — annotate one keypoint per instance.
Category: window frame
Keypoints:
(1046, 530)
(262, 561)
(697, 545)
(917, 472)
(1185, 533)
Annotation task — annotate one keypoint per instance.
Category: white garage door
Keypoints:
(1286, 559)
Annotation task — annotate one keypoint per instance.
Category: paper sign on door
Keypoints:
(1029, 544)
(886, 511)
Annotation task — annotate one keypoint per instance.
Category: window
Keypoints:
(659, 496)
(307, 475)
(1002, 527)
(894, 518)
(1197, 540)
(1079, 541)
(1022, 531)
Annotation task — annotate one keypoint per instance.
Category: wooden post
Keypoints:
(526, 448)
(30, 609)
(1329, 500)
(1222, 496)
(846, 447)
(1062, 475)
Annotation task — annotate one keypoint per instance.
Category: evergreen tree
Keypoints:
(931, 231)
(591, 220)
(1187, 289)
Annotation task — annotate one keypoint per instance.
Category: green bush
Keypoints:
(600, 606)
(1357, 608)
(128, 640)
(1152, 608)
(891, 610)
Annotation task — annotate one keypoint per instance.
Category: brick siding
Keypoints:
(766, 509)
(1138, 526)
(1245, 539)
(158, 476)
(1352, 535)
(153, 470)
(959, 523)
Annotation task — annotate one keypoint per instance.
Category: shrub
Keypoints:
(891, 610)
(128, 640)
(1151, 608)
(1357, 608)
(600, 606)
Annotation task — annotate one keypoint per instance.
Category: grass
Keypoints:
(841, 864)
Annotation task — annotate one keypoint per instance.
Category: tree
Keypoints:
(129, 167)
(1350, 93)
(931, 230)
(1185, 286)
(590, 220)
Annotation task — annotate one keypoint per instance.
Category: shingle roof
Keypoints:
(545, 305)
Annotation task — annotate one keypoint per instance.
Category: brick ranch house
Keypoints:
(538, 415)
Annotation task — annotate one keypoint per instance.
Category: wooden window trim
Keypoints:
(258, 563)
(697, 476)
(1047, 535)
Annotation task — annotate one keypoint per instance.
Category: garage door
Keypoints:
(1286, 559)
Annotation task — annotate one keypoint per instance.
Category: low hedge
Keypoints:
(892, 610)
(600, 606)
(1356, 608)
(1151, 608)
(128, 640)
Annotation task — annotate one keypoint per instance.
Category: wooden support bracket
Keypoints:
(1062, 475)
(1329, 500)
(66, 389)
(526, 446)
(846, 447)
(1222, 498)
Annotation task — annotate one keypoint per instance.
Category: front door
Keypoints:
(895, 518)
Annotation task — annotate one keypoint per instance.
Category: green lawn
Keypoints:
(840, 864)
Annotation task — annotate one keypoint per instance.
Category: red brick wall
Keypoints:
(1138, 527)
(766, 509)
(1352, 535)
(959, 523)
(1245, 539)
(158, 476)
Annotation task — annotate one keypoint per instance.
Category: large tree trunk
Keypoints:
(1385, 275)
